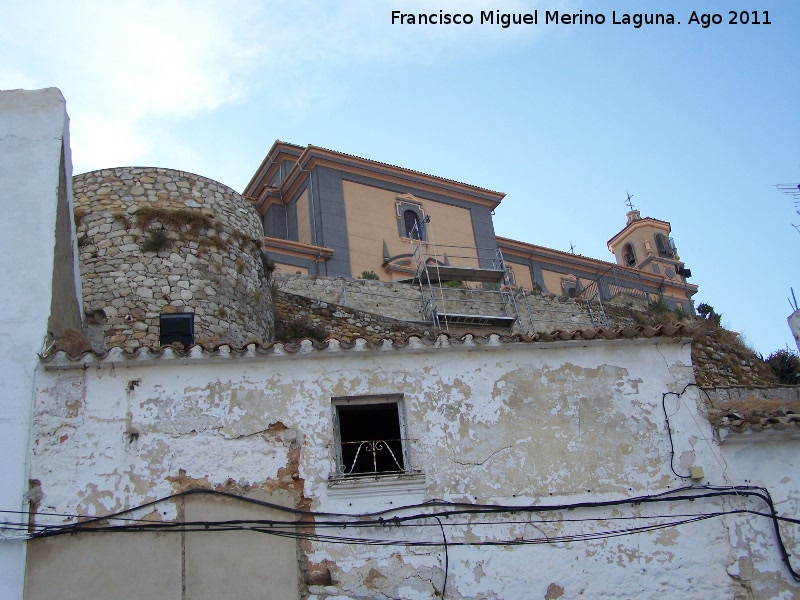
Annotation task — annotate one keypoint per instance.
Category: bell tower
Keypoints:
(645, 244)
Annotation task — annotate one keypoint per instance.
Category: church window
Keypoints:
(571, 286)
(628, 255)
(370, 435)
(665, 245)
(412, 224)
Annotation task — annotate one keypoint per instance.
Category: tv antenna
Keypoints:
(572, 248)
(793, 191)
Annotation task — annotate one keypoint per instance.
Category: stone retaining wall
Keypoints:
(297, 317)
(735, 395)
(544, 313)
(152, 240)
(720, 362)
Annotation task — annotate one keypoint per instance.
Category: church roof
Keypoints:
(305, 153)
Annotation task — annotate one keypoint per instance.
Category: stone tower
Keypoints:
(155, 242)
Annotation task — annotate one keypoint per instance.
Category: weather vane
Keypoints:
(628, 201)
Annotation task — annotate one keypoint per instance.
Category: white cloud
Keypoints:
(123, 64)
(119, 64)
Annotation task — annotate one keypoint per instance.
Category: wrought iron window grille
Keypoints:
(374, 457)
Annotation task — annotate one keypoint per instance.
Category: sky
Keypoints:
(698, 124)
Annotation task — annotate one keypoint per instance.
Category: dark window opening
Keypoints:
(628, 256)
(412, 225)
(176, 327)
(665, 245)
(371, 439)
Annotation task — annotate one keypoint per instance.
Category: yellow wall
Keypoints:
(283, 269)
(552, 281)
(637, 238)
(303, 219)
(372, 219)
(522, 276)
(452, 226)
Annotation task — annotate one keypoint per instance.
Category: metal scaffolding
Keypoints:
(447, 298)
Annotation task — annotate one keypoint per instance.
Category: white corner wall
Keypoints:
(794, 325)
(33, 134)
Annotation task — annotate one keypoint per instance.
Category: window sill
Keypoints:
(408, 486)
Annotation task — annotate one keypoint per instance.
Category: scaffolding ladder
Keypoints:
(432, 273)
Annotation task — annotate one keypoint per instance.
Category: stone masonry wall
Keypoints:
(721, 359)
(297, 317)
(543, 313)
(155, 240)
(788, 395)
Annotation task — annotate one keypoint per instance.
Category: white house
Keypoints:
(569, 464)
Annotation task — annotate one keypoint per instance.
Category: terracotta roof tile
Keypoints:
(741, 422)
(338, 344)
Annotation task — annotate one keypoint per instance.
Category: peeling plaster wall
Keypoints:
(767, 459)
(34, 160)
(514, 424)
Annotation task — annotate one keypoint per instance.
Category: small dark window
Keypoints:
(412, 225)
(628, 256)
(370, 437)
(176, 327)
(665, 245)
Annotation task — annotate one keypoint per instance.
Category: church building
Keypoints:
(327, 213)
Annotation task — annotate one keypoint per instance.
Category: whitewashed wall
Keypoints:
(794, 325)
(33, 135)
(515, 424)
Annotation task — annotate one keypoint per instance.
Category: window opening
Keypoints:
(571, 287)
(370, 436)
(628, 256)
(411, 220)
(176, 327)
(665, 245)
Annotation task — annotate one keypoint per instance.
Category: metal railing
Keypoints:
(372, 457)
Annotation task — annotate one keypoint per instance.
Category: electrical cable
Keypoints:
(446, 556)
(445, 509)
(669, 430)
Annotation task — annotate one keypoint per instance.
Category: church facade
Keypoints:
(327, 213)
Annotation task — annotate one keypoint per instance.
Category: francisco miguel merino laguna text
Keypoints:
(505, 20)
